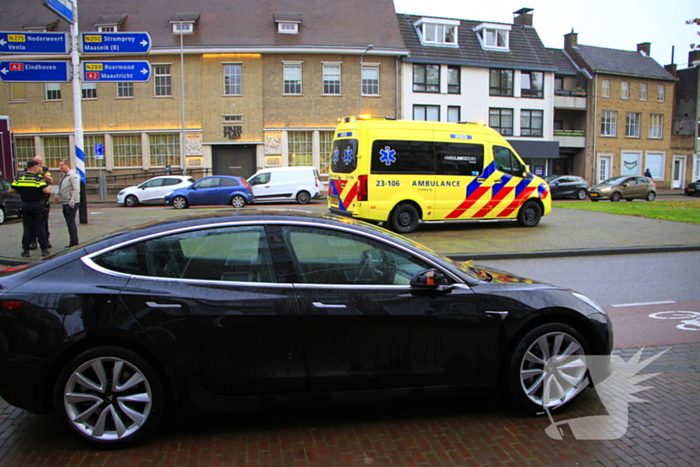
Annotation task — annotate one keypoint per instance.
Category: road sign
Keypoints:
(38, 72)
(99, 152)
(116, 42)
(139, 70)
(34, 42)
(63, 8)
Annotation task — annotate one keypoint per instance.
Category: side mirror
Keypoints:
(428, 279)
(625, 185)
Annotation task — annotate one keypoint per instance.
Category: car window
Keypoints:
(171, 181)
(211, 182)
(239, 254)
(506, 161)
(260, 179)
(229, 182)
(325, 256)
(459, 158)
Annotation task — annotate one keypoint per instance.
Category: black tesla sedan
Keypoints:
(210, 310)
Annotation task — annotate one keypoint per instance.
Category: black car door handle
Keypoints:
(499, 315)
(163, 305)
(328, 305)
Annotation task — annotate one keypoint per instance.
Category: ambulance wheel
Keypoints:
(404, 218)
(530, 214)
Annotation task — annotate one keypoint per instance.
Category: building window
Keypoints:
(625, 90)
(531, 122)
(492, 38)
(288, 28)
(162, 80)
(633, 124)
(89, 90)
(181, 27)
(232, 80)
(426, 78)
(55, 149)
(656, 126)
(292, 78)
(532, 84)
(606, 88)
(608, 123)
(18, 92)
(370, 80)
(501, 120)
(661, 93)
(110, 28)
(443, 34)
(300, 148)
(326, 148)
(125, 89)
(53, 91)
(90, 160)
(232, 118)
(453, 80)
(501, 83)
(656, 162)
(454, 113)
(164, 150)
(558, 83)
(643, 91)
(127, 151)
(24, 150)
(331, 79)
(426, 113)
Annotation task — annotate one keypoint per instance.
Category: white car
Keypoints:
(153, 190)
(300, 184)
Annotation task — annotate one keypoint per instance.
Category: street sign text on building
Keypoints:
(38, 72)
(139, 70)
(34, 42)
(116, 42)
(63, 8)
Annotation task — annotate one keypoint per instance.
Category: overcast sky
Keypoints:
(615, 24)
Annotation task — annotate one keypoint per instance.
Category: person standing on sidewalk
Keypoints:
(68, 195)
(46, 173)
(33, 189)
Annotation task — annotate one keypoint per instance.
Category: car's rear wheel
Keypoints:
(581, 194)
(615, 197)
(131, 201)
(179, 202)
(651, 196)
(548, 368)
(237, 201)
(530, 214)
(303, 197)
(110, 397)
(2, 215)
(404, 218)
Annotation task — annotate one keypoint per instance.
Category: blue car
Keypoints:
(217, 189)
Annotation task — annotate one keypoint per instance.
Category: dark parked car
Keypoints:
(9, 202)
(217, 189)
(693, 188)
(567, 186)
(624, 187)
(236, 307)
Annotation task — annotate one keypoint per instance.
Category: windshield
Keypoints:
(549, 178)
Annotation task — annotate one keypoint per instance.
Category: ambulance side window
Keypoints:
(507, 162)
(344, 156)
(403, 157)
(459, 158)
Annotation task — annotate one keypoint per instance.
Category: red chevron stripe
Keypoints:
(467, 203)
(350, 197)
(516, 203)
(495, 201)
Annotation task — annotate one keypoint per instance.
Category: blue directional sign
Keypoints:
(33, 42)
(37, 72)
(139, 70)
(116, 42)
(63, 8)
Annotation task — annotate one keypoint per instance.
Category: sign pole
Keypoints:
(78, 115)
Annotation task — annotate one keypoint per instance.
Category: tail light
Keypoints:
(246, 184)
(362, 188)
(9, 305)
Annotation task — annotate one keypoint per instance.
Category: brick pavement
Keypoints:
(430, 431)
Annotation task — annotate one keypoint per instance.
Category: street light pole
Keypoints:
(182, 104)
(362, 60)
(78, 115)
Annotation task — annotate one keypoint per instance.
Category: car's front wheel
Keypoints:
(615, 197)
(548, 368)
(530, 214)
(109, 396)
(179, 202)
(651, 196)
(131, 201)
(237, 201)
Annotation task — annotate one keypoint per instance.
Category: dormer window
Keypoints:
(110, 23)
(110, 28)
(183, 28)
(184, 23)
(288, 28)
(493, 36)
(441, 32)
(288, 23)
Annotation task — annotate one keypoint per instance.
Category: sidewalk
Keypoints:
(564, 232)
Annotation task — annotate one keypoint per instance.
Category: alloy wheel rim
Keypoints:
(553, 369)
(107, 399)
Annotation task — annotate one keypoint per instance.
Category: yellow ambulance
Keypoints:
(403, 172)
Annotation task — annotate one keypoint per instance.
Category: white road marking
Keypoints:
(642, 304)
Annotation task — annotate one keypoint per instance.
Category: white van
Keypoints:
(286, 184)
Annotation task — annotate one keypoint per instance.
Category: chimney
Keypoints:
(694, 58)
(672, 68)
(524, 17)
(644, 48)
(571, 39)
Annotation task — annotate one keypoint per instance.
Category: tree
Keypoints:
(695, 21)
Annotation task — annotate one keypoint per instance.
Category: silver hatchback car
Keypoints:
(626, 187)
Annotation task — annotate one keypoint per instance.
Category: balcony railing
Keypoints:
(574, 133)
(561, 92)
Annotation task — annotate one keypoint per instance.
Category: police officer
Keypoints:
(33, 189)
(46, 173)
